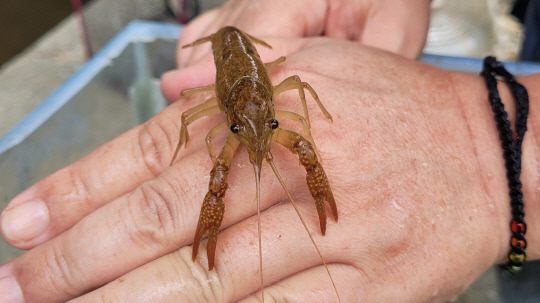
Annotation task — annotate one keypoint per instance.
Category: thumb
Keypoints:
(199, 74)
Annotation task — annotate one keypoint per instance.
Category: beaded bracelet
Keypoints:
(511, 152)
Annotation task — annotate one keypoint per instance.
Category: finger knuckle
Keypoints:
(159, 209)
(104, 298)
(83, 188)
(205, 285)
(62, 273)
(155, 144)
(275, 294)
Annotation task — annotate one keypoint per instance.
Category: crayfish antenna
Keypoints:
(199, 41)
(269, 160)
(257, 170)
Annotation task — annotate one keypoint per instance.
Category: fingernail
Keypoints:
(25, 221)
(10, 291)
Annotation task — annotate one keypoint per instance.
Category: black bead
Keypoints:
(235, 128)
(274, 124)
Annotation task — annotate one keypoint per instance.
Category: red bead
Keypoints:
(517, 227)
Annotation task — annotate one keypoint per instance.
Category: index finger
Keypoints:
(60, 200)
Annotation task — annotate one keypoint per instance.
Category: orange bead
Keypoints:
(518, 243)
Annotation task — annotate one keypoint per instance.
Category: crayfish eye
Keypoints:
(235, 128)
(274, 124)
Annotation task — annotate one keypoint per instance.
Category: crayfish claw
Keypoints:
(319, 203)
(317, 182)
(211, 247)
(213, 208)
(320, 190)
(210, 219)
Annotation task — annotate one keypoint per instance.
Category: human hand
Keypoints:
(386, 24)
(393, 25)
(416, 224)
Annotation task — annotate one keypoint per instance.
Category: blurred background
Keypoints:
(22, 22)
(46, 37)
(58, 38)
(468, 27)
(45, 42)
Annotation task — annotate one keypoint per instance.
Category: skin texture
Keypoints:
(412, 156)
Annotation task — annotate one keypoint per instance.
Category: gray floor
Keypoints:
(29, 78)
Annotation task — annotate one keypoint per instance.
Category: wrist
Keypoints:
(530, 175)
(487, 145)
